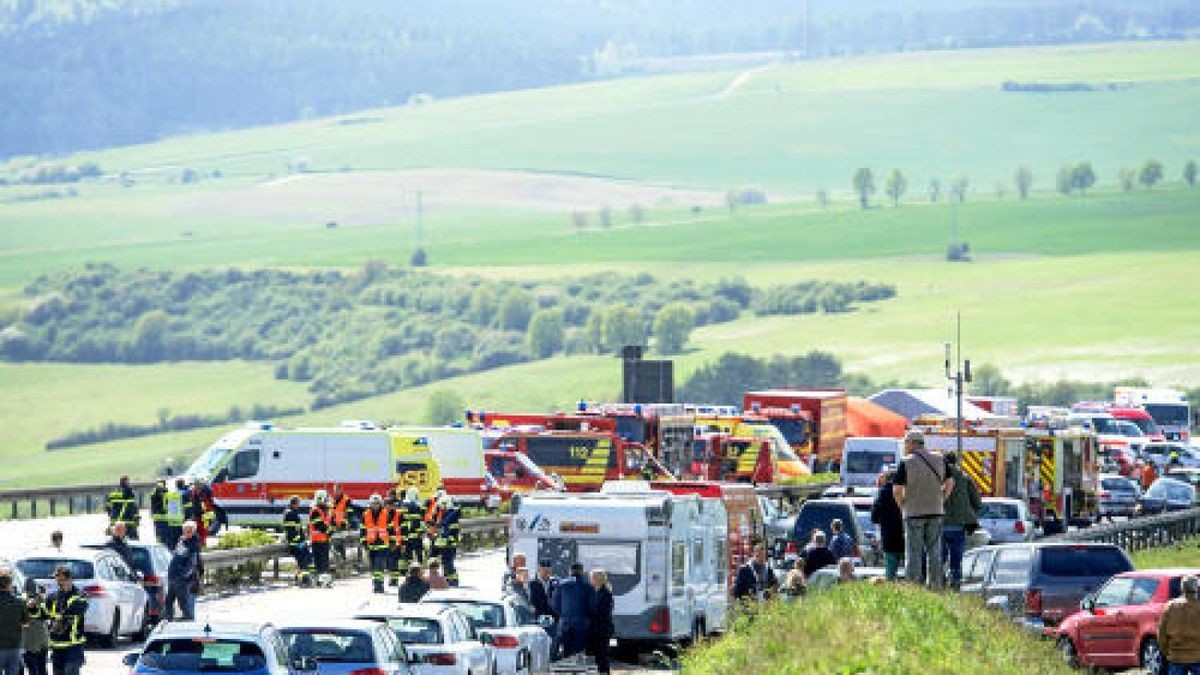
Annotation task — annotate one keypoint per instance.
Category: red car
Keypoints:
(1117, 627)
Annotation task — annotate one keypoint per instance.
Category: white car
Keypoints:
(506, 624)
(116, 599)
(1159, 452)
(1006, 520)
(439, 638)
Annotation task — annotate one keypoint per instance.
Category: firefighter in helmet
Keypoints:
(375, 534)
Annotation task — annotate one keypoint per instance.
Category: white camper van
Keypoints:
(667, 556)
(864, 458)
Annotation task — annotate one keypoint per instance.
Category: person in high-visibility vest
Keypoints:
(123, 508)
(414, 534)
(318, 535)
(65, 609)
(158, 511)
(293, 534)
(341, 518)
(399, 562)
(449, 535)
(376, 537)
(173, 503)
(391, 504)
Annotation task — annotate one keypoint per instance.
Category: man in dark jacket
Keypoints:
(574, 602)
(13, 615)
(296, 539)
(65, 608)
(119, 545)
(123, 508)
(817, 555)
(755, 579)
(886, 514)
(158, 511)
(181, 573)
(962, 517)
(414, 587)
(541, 590)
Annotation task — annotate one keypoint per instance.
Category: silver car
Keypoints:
(116, 599)
(1006, 520)
(1118, 495)
(505, 624)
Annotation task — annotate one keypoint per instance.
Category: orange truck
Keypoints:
(825, 407)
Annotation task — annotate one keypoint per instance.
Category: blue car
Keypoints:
(345, 647)
(187, 647)
(1166, 494)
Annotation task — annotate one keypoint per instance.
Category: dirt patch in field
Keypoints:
(359, 198)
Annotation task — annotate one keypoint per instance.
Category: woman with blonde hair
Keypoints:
(602, 620)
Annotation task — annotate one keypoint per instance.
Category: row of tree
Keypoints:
(379, 329)
(1078, 177)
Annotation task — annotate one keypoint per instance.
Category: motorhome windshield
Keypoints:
(210, 462)
(1169, 413)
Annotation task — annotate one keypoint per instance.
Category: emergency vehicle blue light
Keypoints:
(756, 406)
(582, 406)
(637, 409)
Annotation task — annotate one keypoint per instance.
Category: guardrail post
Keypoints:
(33, 508)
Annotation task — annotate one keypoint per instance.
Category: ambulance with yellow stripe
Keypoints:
(786, 465)
(582, 460)
(253, 470)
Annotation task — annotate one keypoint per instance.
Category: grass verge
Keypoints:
(865, 628)
(1186, 554)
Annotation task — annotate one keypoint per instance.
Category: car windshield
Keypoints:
(203, 655)
(814, 515)
(1105, 425)
(43, 568)
(792, 430)
(207, 464)
(1118, 484)
(998, 511)
(481, 614)
(1147, 425)
(1083, 561)
(869, 461)
(1168, 413)
(329, 645)
(1126, 428)
(1161, 489)
(416, 631)
(1192, 477)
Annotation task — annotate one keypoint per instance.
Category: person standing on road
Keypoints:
(449, 536)
(574, 603)
(886, 514)
(123, 507)
(1179, 629)
(841, 544)
(601, 631)
(35, 639)
(1149, 474)
(118, 544)
(318, 535)
(414, 532)
(541, 590)
(65, 608)
(374, 534)
(510, 574)
(181, 574)
(961, 519)
(158, 510)
(393, 508)
(755, 579)
(176, 513)
(13, 617)
(920, 487)
(293, 536)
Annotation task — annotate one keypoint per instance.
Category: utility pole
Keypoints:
(960, 373)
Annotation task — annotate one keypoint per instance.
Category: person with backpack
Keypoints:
(962, 518)
(920, 488)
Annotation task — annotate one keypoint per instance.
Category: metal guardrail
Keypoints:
(1140, 533)
(476, 533)
(58, 501)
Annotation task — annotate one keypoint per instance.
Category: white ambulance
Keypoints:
(256, 468)
(666, 555)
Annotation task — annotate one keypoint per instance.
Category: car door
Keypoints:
(123, 590)
(1138, 611)
(1099, 635)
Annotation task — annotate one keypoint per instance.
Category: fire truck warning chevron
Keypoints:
(254, 469)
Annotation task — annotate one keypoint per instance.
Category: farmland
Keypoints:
(1094, 286)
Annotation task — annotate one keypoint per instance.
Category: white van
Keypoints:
(666, 555)
(864, 458)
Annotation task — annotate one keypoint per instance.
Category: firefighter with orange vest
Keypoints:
(391, 504)
(375, 533)
(341, 516)
(318, 536)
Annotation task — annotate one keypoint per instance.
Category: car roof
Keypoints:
(219, 629)
(1162, 572)
(407, 610)
(365, 625)
(71, 553)
(132, 544)
(464, 594)
(1049, 544)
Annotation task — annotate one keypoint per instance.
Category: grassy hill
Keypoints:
(1094, 287)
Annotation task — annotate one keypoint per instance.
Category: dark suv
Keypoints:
(819, 513)
(1039, 584)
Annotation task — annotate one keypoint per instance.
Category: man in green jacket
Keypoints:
(13, 616)
(962, 517)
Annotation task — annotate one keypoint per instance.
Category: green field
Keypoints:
(1092, 288)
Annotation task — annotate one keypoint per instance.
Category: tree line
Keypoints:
(379, 329)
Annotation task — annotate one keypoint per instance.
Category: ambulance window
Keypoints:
(244, 465)
(698, 566)
(722, 564)
(678, 567)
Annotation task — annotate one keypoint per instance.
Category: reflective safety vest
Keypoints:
(158, 508)
(122, 507)
(375, 527)
(65, 611)
(412, 522)
(293, 528)
(318, 526)
(173, 504)
(340, 507)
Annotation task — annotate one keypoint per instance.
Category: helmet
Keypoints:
(412, 494)
(376, 499)
(321, 496)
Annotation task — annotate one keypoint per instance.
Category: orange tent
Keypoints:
(864, 418)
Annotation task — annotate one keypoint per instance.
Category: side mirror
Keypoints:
(130, 660)
(304, 664)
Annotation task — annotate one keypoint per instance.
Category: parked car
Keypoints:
(116, 599)
(1189, 475)
(779, 525)
(506, 625)
(192, 647)
(1039, 584)
(849, 491)
(1160, 454)
(439, 638)
(1120, 461)
(1117, 496)
(1118, 625)
(150, 561)
(818, 514)
(1166, 494)
(1006, 520)
(344, 647)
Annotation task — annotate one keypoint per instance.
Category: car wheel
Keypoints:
(110, 640)
(1151, 657)
(1066, 649)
